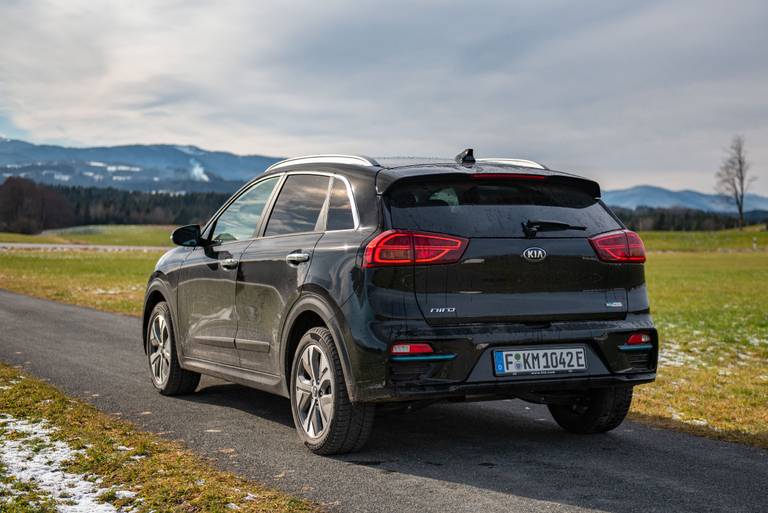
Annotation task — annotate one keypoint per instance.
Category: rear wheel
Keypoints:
(167, 375)
(326, 420)
(599, 411)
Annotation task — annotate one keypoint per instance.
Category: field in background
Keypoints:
(752, 237)
(118, 235)
(749, 239)
(708, 296)
(113, 282)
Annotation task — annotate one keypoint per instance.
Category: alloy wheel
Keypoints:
(159, 350)
(314, 391)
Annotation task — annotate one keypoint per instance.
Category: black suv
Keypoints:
(344, 282)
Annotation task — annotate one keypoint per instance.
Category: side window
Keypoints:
(241, 219)
(339, 208)
(298, 206)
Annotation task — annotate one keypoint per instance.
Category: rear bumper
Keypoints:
(538, 390)
(374, 376)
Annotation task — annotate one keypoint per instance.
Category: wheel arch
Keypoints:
(309, 311)
(157, 291)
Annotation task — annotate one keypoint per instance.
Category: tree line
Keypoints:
(29, 207)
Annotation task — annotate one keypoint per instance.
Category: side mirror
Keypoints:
(186, 235)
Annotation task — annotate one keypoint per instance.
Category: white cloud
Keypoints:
(640, 92)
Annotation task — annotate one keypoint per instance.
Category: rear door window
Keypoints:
(495, 208)
(298, 206)
(339, 208)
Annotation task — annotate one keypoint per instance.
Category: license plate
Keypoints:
(520, 362)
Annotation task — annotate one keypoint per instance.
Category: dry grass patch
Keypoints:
(166, 477)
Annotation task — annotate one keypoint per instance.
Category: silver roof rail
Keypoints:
(515, 162)
(357, 160)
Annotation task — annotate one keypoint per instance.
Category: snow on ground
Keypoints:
(34, 457)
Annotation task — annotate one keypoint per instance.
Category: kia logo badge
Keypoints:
(534, 254)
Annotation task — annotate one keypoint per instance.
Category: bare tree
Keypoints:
(733, 179)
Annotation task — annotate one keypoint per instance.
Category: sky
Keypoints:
(627, 93)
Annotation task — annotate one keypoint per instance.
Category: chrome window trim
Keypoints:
(513, 162)
(356, 160)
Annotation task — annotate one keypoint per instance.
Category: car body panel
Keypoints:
(369, 309)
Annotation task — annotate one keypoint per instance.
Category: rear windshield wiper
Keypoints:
(534, 226)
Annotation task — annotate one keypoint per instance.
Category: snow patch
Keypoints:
(190, 150)
(42, 464)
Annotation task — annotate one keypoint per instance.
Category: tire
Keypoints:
(601, 410)
(168, 378)
(326, 420)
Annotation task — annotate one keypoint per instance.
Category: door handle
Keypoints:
(229, 263)
(297, 258)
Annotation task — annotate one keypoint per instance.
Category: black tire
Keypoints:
(350, 424)
(599, 411)
(175, 381)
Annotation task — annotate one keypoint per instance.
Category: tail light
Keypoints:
(619, 246)
(638, 338)
(397, 247)
(404, 348)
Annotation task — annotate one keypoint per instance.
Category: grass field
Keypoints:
(753, 237)
(711, 308)
(749, 239)
(106, 460)
(119, 235)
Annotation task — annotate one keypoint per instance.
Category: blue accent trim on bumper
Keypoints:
(639, 347)
(423, 358)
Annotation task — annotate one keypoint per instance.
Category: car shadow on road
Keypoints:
(515, 449)
(248, 400)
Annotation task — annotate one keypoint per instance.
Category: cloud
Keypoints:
(635, 92)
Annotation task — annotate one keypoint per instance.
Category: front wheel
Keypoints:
(167, 375)
(598, 411)
(326, 420)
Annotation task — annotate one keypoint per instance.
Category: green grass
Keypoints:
(119, 235)
(112, 281)
(723, 240)
(166, 477)
(712, 319)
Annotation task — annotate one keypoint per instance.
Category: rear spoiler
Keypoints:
(388, 177)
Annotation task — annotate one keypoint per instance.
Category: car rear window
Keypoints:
(495, 208)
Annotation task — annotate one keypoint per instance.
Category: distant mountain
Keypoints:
(135, 167)
(658, 197)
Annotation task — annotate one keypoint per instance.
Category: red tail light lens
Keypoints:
(638, 338)
(395, 247)
(403, 348)
(620, 246)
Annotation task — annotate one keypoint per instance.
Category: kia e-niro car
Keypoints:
(345, 283)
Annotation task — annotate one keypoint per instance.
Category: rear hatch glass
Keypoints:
(494, 282)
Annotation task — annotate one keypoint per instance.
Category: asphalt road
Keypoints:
(491, 457)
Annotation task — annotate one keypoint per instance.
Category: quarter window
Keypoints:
(339, 208)
(298, 206)
(241, 219)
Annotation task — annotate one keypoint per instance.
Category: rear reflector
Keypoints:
(397, 247)
(638, 338)
(619, 246)
(506, 176)
(404, 348)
